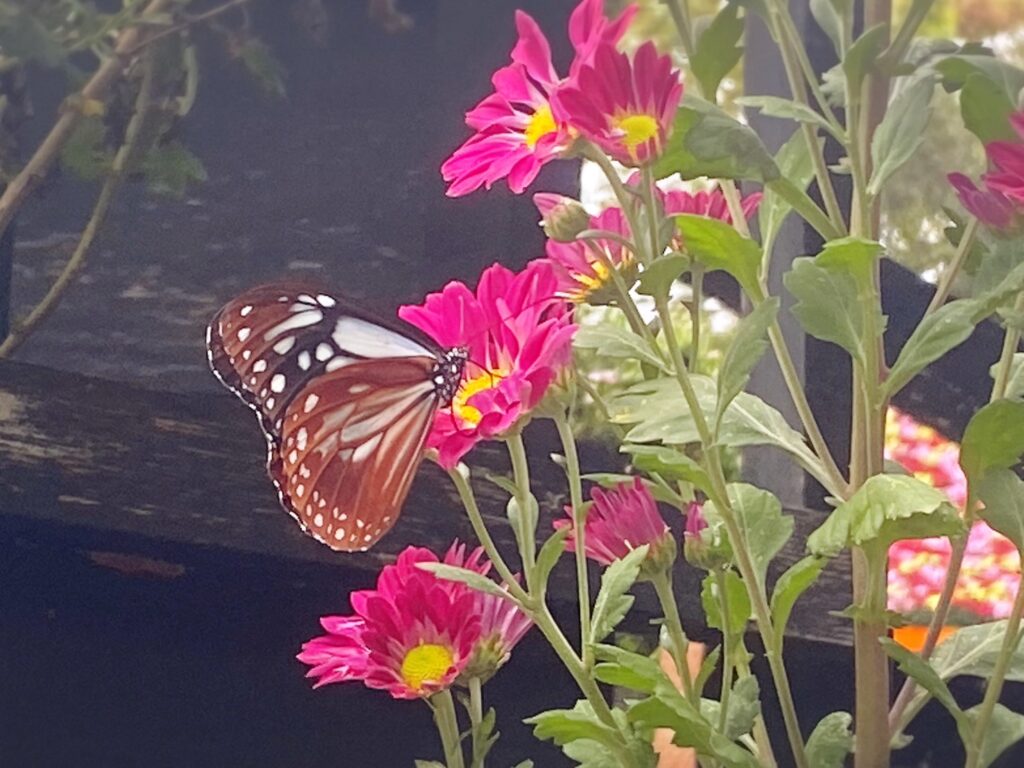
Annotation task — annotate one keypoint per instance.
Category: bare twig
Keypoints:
(190, 21)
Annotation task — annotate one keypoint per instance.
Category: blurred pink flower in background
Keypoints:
(1000, 204)
(519, 336)
(990, 575)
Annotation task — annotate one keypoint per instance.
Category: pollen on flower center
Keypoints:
(426, 663)
(541, 123)
(636, 129)
(470, 387)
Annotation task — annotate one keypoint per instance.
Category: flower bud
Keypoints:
(561, 217)
(699, 547)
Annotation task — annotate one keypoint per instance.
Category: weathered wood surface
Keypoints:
(188, 469)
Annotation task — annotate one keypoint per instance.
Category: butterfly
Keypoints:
(346, 403)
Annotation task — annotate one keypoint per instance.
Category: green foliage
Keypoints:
(764, 528)
(795, 165)
(727, 588)
(263, 65)
(618, 343)
(744, 707)
(796, 580)
(747, 348)
(471, 579)
(901, 132)
(1015, 381)
(549, 554)
(973, 651)
(861, 56)
(667, 462)
(718, 245)
(1002, 492)
(827, 305)
(709, 142)
(885, 509)
(719, 49)
(86, 154)
(993, 439)
(787, 109)
(657, 278)
(627, 669)
(986, 108)
(563, 726)
(1005, 728)
(614, 601)
(831, 741)
(170, 169)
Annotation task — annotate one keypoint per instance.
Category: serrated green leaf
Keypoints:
(796, 166)
(852, 255)
(924, 675)
(627, 669)
(1005, 728)
(471, 579)
(973, 651)
(861, 57)
(563, 726)
(748, 346)
(744, 707)
(613, 601)
(669, 463)
(883, 510)
(657, 279)
(85, 153)
(831, 741)
(1002, 492)
(718, 245)
(786, 109)
(901, 131)
(731, 591)
(706, 141)
(796, 580)
(170, 169)
(993, 439)
(719, 49)
(827, 305)
(619, 343)
(766, 530)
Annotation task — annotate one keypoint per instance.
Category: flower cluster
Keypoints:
(1000, 204)
(518, 334)
(623, 104)
(416, 634)
(990, 575)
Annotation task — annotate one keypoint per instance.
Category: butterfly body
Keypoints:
(346, 403)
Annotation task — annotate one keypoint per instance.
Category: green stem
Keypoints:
(579, 520)
(447, 724)
(728, 652)
(951, 272)
(476, 718)
(468, 498)
(521, 475)
(761, 739)
(995, 682)
(662, 584)
(893, 55)
(680, 11)
(697, 286)
(794, 43)
(1011, 341)
(802, 203)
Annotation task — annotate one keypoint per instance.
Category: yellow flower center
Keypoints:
(541, 124)
(426, 663)
(469, 388)
(589, 284)
(636, 129)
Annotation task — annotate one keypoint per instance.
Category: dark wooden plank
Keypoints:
(188, 469)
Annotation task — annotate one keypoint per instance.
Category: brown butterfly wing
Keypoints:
(350, 444)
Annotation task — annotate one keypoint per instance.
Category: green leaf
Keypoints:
(956, 70)
(524, 764)
(1003, 495)
(707, 668)
(766, 530)
(566, 725)
(718, 50)
(669, 463)
(861, 57)
(263, 65)
(852, 255)
(827, 304)
(627, 669)
(748, 346)
(922, 672)
(786, 109)
(796, 580)
(170, 169)
(85, 153)
(613, 602)
(796, 166)
(471, 579)
(1005, 728)
(549, 554)
(744, 707)
(619, 343)
(25, 37)
(706, 141)
(943, 330)
(986, 108)
(885, 509)
(828, 17)
(657, 279)
(901, 131)
(993, 439)
(428, 764)
(1015, 382)
(831, 741)
(718, 245)
(973, 651)
(515, 513)
(737, 603)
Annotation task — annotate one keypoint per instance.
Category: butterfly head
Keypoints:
(447, 373)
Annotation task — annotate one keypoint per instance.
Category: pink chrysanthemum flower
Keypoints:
(584, 268)
(519, 336)
(411, 636)
(711, 204)
(516, 131)
(618, 521)
(1008, 158)
(624, 105)
(988, 206)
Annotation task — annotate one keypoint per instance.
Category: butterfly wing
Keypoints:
(273, 340)
(349, 447)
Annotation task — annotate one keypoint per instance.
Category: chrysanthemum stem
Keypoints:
(662, 584)
(447, 723)
(728, 651)
(696, 300)
(524, 498)
(680, 11)
(579, 520)
(952, 270)
(476, 718)
(764, 744)
(465, 490)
